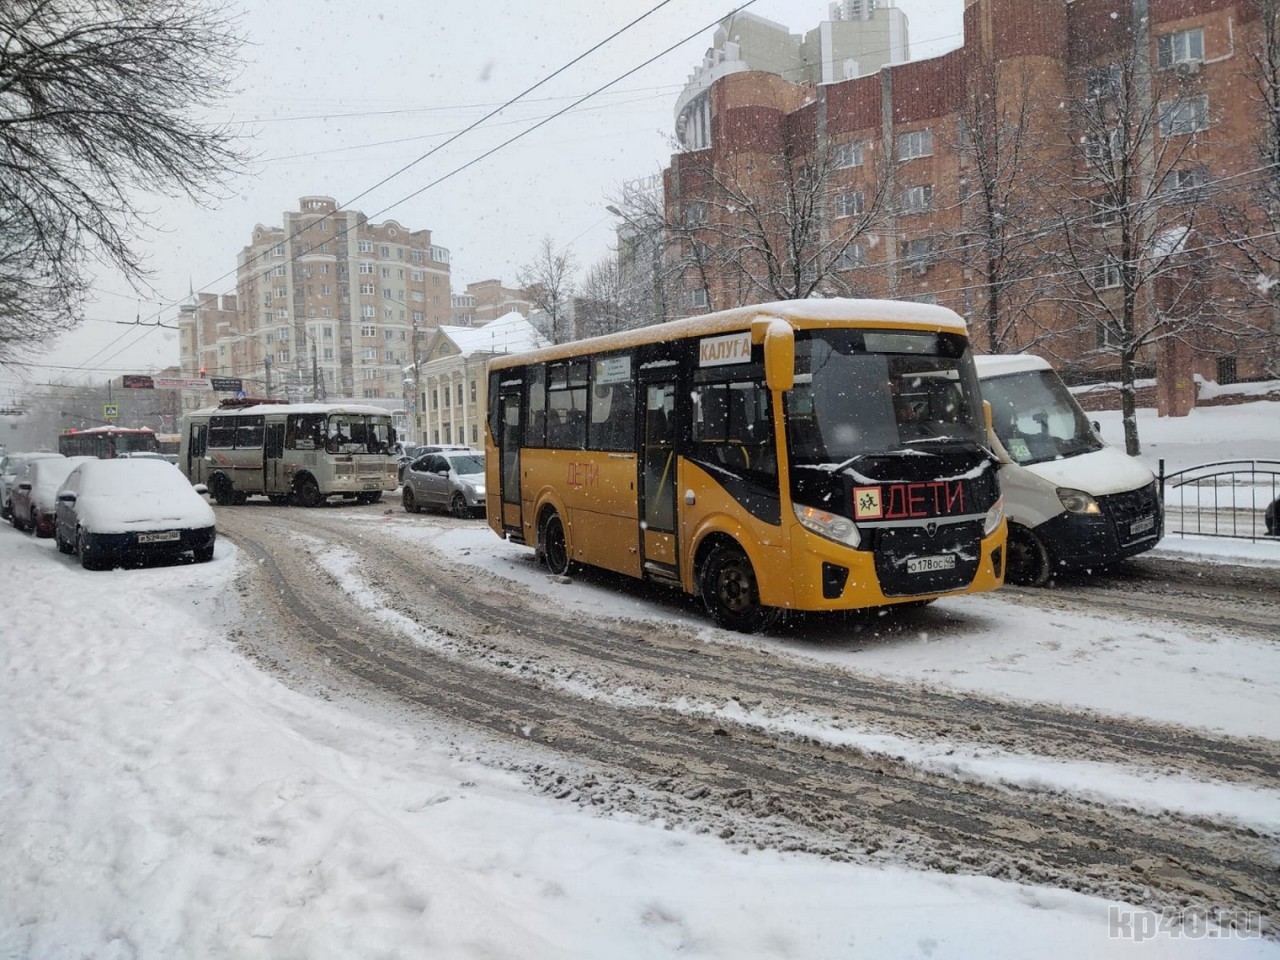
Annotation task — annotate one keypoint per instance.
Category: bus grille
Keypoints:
(1134, 505)
(894, 546)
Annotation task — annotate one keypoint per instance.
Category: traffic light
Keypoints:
(204, 372)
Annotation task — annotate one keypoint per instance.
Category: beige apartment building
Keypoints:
(486, 301)
(327, 306)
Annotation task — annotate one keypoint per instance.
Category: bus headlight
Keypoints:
(991, 522)
(1077, 501)
(829, 525)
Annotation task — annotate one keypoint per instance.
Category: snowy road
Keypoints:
(1122, 746)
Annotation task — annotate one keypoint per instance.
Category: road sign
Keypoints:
(225, 384)
(110, 411)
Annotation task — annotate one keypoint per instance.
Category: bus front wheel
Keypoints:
(730, 591)
(307, 492)
(1029, 564)
(554, 546)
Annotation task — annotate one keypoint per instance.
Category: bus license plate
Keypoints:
(161, 536)
(371, 486)
(945, 561)
(1141, 526)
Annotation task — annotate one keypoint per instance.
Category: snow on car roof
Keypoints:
(997, 365)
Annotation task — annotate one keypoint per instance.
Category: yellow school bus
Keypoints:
(800, 455)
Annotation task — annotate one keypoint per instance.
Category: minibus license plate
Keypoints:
(1141, 526)
(161, 536)
(371, 486)
(945, 561)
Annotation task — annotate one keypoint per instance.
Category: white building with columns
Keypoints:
(451, 382)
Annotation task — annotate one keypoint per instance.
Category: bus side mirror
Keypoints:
(1002, 455)
(780, 356)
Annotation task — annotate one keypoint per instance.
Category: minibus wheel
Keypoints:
(1029, 564)
(554, 546)
(730, 592)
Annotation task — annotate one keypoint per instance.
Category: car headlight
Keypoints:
(991, 522)
(479, 490)
(829, 525)
(1077, 501)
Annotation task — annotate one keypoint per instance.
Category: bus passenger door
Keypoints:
(272, 459)
(509, 439)
(658, 480)
(197, 465)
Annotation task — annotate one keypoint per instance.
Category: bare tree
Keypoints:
(782, 227)
(1249, 213)
(548, 280)
(604, 305)
(998, 241)
(97, 104)
(1128, 209)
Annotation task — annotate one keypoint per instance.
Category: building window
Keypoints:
(326, 289)
(368, 311)
(416, 256)
(915, 199)
(328, 353)
(917, 255)
(1103, 83)
(387, 313)
(417, 316)
(389, 356)
(1102, 150)
(416, 275)
(1182, 117)
(847, 154)
(365, 246)
(419, 296)
(695, 214)
(1106, 276)
(852, 257)
(384, 251)
(849, 204)
(366, 267)
(367, 289)
(368, 330)
(473, 391)
(918, 143)
(281, 292)
(283, 356)
(1185, 184)
(326, 312)
(282, 314)
(278, 250)
(1185, 46)
(698, 297)
(929, 298)
(386, 293)
(369, 353)
(278, 271)
(282, 334)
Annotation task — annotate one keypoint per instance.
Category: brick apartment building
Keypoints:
(486, 301)
(327, 305)
(1117, 139)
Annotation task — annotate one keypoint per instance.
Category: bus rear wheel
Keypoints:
(554, 546)
(730, 591)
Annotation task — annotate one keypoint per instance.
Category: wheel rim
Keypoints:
(407, 499)
(460, 505)
(734, 587)
(555, 550)
(1027, 563)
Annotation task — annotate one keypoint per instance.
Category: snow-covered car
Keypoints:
(450, 480)
(34, 498)
(10, 465)
(112, 511)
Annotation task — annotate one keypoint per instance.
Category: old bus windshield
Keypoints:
(865, 393)
(1036, 418)
(354, 433)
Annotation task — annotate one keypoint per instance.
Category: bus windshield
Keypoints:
(1036, 417)
(866, 393)
(354, 433)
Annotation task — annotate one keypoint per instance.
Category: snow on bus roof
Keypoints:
(363, 410)
(112, 428)
(830, 310)
(999, 364)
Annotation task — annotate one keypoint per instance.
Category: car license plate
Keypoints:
(944, 561)
(1141, 526)
(161, 536)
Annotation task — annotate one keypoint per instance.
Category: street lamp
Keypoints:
(651, 236)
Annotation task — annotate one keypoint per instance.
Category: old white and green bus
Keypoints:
(299, 453)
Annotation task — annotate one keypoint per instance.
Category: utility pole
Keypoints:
(266, 362)
(315, 374)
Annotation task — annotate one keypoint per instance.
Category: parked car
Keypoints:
(412, 453)
(1072, 501)
(113, 511)
(34, 498)
(450, 480)
(9, 467)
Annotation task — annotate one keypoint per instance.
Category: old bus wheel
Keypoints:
(307, 492)
(1029, 564)
(555, 550)
(222, 491)
(458, 506)
(730, 592)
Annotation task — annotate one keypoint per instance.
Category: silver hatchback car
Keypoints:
(450, 480)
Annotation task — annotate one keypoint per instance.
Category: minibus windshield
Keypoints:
(1036, 418)
(862, 393)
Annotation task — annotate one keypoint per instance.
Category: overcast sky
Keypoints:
(335, 98)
